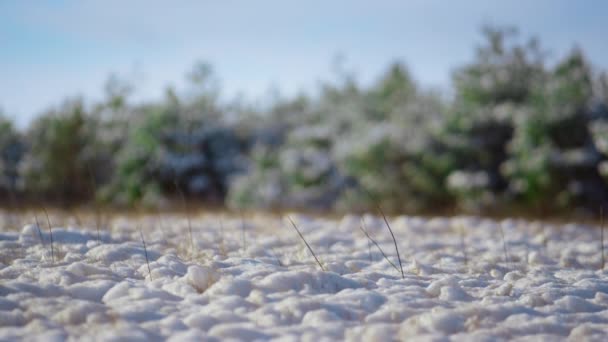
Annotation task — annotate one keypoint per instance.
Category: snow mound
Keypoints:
(266, 285)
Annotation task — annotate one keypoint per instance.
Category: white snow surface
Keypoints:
(253, 278)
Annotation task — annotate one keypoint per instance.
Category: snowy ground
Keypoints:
(261, 283)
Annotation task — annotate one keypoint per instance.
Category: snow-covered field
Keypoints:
(257, 280)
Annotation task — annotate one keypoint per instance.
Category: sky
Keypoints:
(50, 50)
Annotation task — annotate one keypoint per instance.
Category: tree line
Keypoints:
(517, 134)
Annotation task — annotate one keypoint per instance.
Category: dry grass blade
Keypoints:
(389, 229)
(369, 250)
(306, 243)
(222, 246)
(48, 220)
(504, 245)
(93, 194)
(39, 231)
(463, 245)
(394, 240)
(275, 255)
(143, 241)
(377, 245)
(243, 235)
(602, 236)
(185, 204)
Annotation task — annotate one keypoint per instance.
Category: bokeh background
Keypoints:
(419, 107)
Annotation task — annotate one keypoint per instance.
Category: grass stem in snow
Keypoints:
(243, 235)
(527, 254)
(143, 241)
(393, 236)
(93, 194)
(369, 250)
(39, 231)
(504, 245)
(222, 245)
(602, 236)
(389, 229)
(306, 243)
(185, 204)
(274, 253)
(463, 245)
(48, 220)
(377, 245)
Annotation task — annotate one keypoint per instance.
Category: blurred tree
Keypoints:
(491, 94)
(62, 148)
(136, 176)
(290, 165)
(384, 152)
(117, 91)
(504, 70)
(554, 159)
(200, 160)
(178, 146)
(518, 133)
(11, 152)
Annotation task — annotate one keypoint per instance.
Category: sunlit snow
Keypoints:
(251, 277)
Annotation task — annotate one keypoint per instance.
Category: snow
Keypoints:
(200, 277)
(256, 280)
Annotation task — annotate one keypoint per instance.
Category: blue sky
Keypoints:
(53, 49)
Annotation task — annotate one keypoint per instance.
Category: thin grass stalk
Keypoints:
(243, 235)
(143, 241)
(274, 253)
(463, 245)
(389, 229)
(186, 209)
(306, 243)
(48, 220)
(504, 245)
(394, 239)
(369, 250)
(39, 231)
(527, 254)
(96, 208)
(377, 246)
(602, 236)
